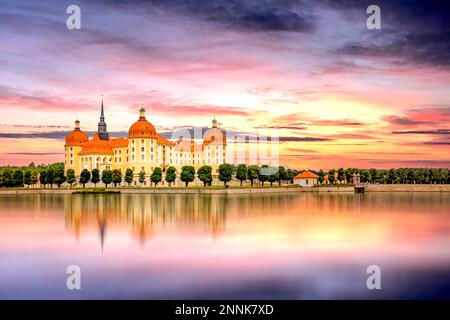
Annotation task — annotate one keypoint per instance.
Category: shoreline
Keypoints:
(233, 190)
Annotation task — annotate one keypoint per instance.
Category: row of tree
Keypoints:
(54, 174)
(387, 176)
(11, 177)
(188, 175)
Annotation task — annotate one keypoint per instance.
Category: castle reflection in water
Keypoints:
(144, 215)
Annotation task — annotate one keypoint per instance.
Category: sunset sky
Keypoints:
(336, 93)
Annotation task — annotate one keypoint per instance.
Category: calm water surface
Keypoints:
(286, 246)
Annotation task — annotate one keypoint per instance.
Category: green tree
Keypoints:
(50, 179)
(156, 176)
(442, 175)
(8, 180)
(27, 178)
(85, 176)
(273, 175)
(205, 175)
(34, 177)
(282, 175)
(331, 176)
(241, 173)
(187, 174)
(263, 174)
(71, 177)
(225, 173)
(401, 174)
(18, 178)
(290, 176)
(106, 177)
(373, 175)
(95, 177)
(43, 178)
(129, 176)
(116, 177)
(365, 175)
(321, 175)
(171, 175)
(295, 173)
(59, 178)
(142, 177)
(252, 173)
(381, 176)
(341, 174)
(392, 176)
(349, 175)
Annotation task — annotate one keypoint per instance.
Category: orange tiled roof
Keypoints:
(142, 129)
(119, 142)
(306, 175)
(187, 145)
(162, 140)
(214, 135)
(97, 146)
(76, 138)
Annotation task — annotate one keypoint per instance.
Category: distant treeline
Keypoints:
(387, 176)
(16, 177)
(54, 174)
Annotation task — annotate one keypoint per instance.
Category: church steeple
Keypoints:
(102, 115)
(102, 131)
(214, 122)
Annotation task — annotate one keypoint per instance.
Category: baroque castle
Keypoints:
(143, 150)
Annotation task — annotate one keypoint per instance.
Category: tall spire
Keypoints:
(214, 122)
(102, 115)
(102, 131)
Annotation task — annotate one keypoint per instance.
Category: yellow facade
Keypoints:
(143, 150)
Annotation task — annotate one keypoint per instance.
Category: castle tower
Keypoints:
(142, 145)
(74, 143)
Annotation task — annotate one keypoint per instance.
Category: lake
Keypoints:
(256, 246)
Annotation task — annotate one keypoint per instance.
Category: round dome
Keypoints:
(142, 129)
(214, 135)
(76, 138)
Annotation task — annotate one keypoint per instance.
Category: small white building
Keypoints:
(306, 179)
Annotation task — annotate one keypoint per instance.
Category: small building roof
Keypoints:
(306, 175)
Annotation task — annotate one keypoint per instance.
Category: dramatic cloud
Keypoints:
(402, 121)
(303, 139)
(419, 32)
(430, 48)
(53, 135)
(249, 15)
(437, 131)
(34, 153)
(309, 72)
